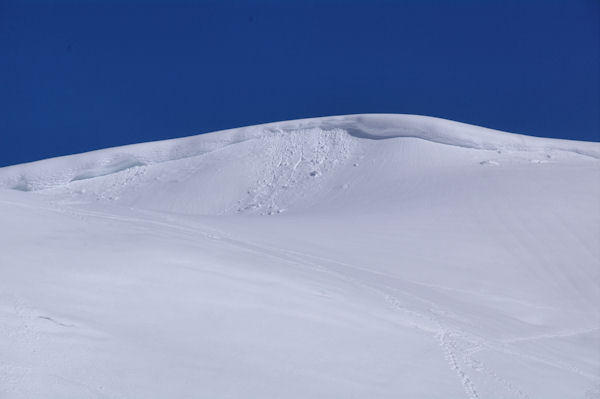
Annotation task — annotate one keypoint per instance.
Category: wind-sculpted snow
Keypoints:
(60, 171)
(362, 256)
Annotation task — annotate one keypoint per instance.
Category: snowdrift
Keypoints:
(365, 256)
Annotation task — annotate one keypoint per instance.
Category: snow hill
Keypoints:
(361, 256)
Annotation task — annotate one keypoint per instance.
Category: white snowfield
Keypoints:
(361, 256)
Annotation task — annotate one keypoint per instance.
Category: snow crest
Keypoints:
(60, 171)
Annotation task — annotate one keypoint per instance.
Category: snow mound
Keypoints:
(275, 167)
(405, 256)
(52, 172)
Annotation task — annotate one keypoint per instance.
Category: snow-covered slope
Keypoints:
(366, 256)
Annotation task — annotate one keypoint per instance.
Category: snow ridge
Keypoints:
(54, 172)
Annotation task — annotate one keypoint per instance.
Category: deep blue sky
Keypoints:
(82, 75)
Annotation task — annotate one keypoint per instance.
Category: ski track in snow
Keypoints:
(450, 339)
(457, 346)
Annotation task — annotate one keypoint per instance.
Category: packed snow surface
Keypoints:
(362, 256)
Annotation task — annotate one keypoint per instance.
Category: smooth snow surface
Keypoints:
(365, 256)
